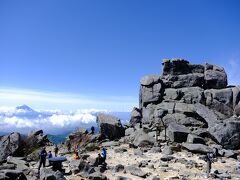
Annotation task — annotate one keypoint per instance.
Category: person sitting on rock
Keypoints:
(104, 154)
(42, 157)
(101, 157)
(76, 156)
(49, 154)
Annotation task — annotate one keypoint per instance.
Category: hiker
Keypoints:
(104, 154)
(69, 146)
(49, 157)
(56, 150)
(92, 130)
(78, 149)
(101, 157)
(209, 159)
(49, 154)
(76, 156)
(42, 157)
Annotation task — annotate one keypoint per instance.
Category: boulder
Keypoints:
(150, 90)
(167, 158)
(202, 132)
(129, 131)
(167, 106)
(123, 178)
(175, 67)
(142, 139)
(197, 148)
(227, 134)
(237, 110)
(153, 178)
(188, 80)
(20, 163)
(10, 145)
(136, 116)
(118, 168)
(148, 114)
(228, 153)
(236, 95)
(220, 100)
(35, 140)
(177, 133)
(184, 80)
(97, 176)
(138, 152)
(193, 139)
(143, 163)
(7, 166)
(184, 108)
(167, 150)
(178, 73)
(182, 119)
(155, 149)
(110, 144)
(110, 126)
(36, 132)
(192, 95)
(49, 174)
(74, 166)
(171, 94)
(13, 174)
(215, 77)
(120, 150)
(207, 114)
(136, 171)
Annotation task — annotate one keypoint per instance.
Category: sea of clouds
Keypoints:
(24, 119)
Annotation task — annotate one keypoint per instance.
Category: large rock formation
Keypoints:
(10, 145)
(16, 144)
(35, 140)
(190, 99)
(110, 126)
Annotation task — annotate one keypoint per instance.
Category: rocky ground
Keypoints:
(135, 164)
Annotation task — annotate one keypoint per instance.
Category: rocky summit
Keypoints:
(188, 99)
(187, 115)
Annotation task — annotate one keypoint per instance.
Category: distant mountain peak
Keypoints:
(24, 107)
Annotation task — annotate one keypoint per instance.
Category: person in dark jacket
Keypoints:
(56, 150)
(209, 159)
(92, 130)
(42, 158)
(49, 154)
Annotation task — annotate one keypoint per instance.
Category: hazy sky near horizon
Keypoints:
(92, 54)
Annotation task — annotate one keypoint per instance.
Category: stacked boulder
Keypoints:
(193, 101)
(110, 126)
(11, 145)
(16, 144)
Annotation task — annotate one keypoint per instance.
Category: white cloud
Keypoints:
(24, 119)
(14, 119)
(233, 73)
(69, 120)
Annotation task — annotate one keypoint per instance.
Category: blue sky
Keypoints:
(92, 54)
